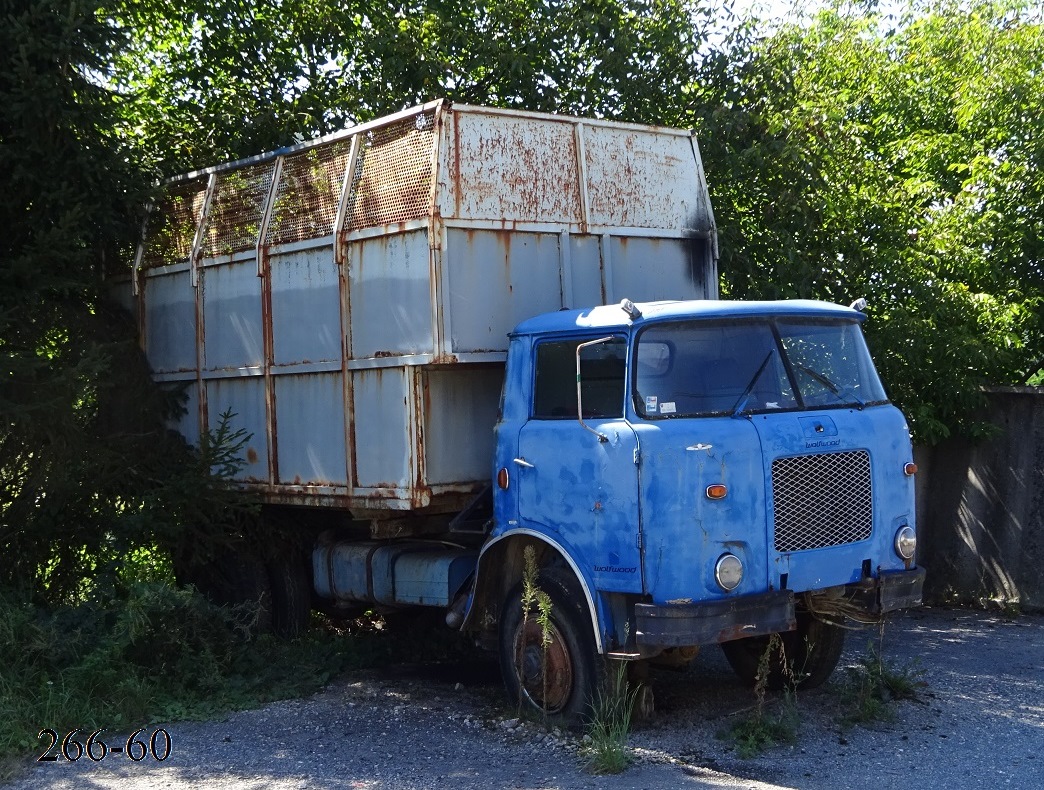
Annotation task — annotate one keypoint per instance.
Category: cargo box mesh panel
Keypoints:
(392, 179)
(172, 224)
(821, 500)
(236, 210)
(307, 194)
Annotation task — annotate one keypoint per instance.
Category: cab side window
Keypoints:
(602, 375)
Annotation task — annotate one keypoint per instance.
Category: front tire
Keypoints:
(809, 655)
(556, 677)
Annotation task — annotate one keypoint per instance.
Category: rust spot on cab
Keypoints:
(251, 455)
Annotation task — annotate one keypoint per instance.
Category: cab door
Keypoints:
(577, 473)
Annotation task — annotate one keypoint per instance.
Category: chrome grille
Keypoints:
(821, 500)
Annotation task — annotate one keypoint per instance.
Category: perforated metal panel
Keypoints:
(236, 210)
(173, 222)
(307, 193)
(392, 179)
(822, 500)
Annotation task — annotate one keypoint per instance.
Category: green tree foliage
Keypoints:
(896, 160)
(225, 78)
(89, 476)
(63, 209)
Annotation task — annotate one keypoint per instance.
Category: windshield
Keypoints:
(703, 368)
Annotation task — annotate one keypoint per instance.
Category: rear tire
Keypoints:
(236, 577)
(291, 588)
(810, 654)
(558, 680)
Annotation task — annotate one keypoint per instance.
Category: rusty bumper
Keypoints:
(705, 623)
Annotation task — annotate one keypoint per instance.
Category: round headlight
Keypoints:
(906, 542)
(728, 572)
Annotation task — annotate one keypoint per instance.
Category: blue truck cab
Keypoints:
(691, 473)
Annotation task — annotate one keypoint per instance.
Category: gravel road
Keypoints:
(980, 723)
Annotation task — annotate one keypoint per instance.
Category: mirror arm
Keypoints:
(579, 398)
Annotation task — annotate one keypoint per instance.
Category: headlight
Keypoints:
(906, 542)
(728, 572)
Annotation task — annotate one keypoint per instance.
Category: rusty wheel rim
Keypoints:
(544, 672)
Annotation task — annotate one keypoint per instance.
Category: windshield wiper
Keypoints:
(741, 404)
(842, 393)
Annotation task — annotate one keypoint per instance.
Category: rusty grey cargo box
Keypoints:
(349, 298)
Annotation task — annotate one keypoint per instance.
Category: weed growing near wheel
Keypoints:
(534, 598)
(611, 723)
(546, 646)
(873, 684)
(763, 729)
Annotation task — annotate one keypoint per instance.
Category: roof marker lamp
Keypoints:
(631, 309)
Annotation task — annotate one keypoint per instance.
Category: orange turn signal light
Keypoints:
(503, 478)
(910, 469)
(716, 491)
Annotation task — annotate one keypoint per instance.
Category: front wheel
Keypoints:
(549, 665)
(804, 657)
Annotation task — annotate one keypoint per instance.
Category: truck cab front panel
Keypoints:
(768, 438)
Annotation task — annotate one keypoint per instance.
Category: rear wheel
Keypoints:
(808, 656)
(291, 591)
(232, 578)
(550, 667)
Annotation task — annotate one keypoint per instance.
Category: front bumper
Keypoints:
(890, 591)
(682, 625)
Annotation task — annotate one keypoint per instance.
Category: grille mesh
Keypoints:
(822, 500)
(307, 194)
(392, 179)
(237, 208)
(172, 224)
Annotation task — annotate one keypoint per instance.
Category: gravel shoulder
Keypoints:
(979, 724)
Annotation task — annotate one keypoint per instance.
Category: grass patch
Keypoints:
(610, 723)
(160, 654)
(763, 730)
(873, 684)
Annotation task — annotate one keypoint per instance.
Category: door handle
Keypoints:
(525, 463)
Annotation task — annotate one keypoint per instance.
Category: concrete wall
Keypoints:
(981, 508)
